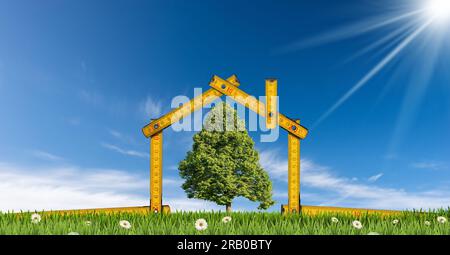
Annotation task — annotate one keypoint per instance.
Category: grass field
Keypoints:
(241, 223)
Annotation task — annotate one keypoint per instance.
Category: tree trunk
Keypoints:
(228, 208)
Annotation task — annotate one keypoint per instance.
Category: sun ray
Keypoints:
(415, 92)
(349, 31)
(386, 60)
(394, 36)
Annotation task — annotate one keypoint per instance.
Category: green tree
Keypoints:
(223, 163)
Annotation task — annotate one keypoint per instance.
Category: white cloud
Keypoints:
(173, 182)
(375, 178)
(272, 162)
(115, 133)
(430, 165)
(124, 151)
(31, 188)
(120, 136)
(278, 194)
(46, 155)
(152, 108)
(353, 193)
(71, 187)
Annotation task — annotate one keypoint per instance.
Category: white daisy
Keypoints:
(334, 220)
(125, 224)
(373, 234)
(35, 218)
(357, 224)
(201, 224)
(226, 219)
(395, 222)
(73, 234)
(441, 219)
(87, 223)
(427, 223)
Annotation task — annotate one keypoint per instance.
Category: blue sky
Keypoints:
(78, 80)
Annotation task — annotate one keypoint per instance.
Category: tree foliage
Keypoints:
(223, 163)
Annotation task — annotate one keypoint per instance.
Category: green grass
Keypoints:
(242, 223)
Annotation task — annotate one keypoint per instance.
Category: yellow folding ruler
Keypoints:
(227, 88)
(156, 154)
(293, 173)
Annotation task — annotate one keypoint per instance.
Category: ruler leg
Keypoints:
(271, 103)
(156, 173)
(293, 174)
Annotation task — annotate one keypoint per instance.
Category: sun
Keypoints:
(438, 9)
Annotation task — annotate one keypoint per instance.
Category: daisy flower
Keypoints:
(87, 223)
(35, 218)
(334, 220)
(427, 223)
(357, 224)
(73, 234)
(125, 224)
(201, 224)
(441, 219)
(226, 219)
(395, 222)
(373, 234)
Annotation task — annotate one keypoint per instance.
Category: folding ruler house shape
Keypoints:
(228, 87)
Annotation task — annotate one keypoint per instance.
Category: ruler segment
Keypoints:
(255, 105)
(156, 172)
(184, 110)
(293, 173)
(271, 103)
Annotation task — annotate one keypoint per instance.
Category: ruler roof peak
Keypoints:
(220, 87)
